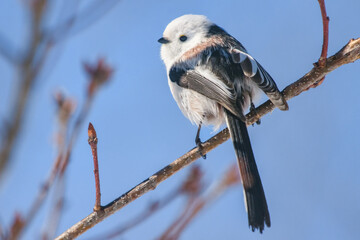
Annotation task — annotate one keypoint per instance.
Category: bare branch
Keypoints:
(324, 50)
(325, 20)
(349, 53)
(93, 140)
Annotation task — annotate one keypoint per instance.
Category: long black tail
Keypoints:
(256, 205)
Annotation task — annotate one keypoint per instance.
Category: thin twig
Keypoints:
(324, 50)
(93, 140)
(325, 20)
(349, 53)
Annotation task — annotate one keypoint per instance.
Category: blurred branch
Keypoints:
(32, 64)
(192, 187)
(28, 74)
(16, 226)
(2, 233)
(66, 107)
(349, 53)
(55, 213)
(188, 209)
(98, 74)
(197, 203)
(82, 20)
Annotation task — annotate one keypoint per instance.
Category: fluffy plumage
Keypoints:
(214, 80)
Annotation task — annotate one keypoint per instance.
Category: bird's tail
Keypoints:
(255, 201)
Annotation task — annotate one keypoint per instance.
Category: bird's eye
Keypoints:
(183, 38)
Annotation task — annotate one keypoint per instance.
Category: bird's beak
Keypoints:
(163, 40)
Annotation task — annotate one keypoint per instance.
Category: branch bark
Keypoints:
(348, 54)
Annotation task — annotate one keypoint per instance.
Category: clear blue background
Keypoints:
(308, 157)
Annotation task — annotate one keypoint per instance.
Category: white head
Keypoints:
(181, 35)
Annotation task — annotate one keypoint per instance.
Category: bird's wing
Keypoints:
(249, 66)
(209, 85)
(253, 70)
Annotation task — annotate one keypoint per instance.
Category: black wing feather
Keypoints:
(193, 80)
(260, 76)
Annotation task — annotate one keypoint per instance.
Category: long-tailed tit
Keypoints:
(214, 80)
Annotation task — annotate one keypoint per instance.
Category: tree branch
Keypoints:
(324, 50)
(325, 20)
(93, 140)
(348, 54)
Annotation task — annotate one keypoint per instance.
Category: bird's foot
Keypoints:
(253, 108)
(200, 147)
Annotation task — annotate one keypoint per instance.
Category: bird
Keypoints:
(214, 80)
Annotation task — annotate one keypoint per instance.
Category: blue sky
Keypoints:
(308, 157)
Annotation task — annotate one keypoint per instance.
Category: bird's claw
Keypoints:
(253, 108)
(200, 148)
